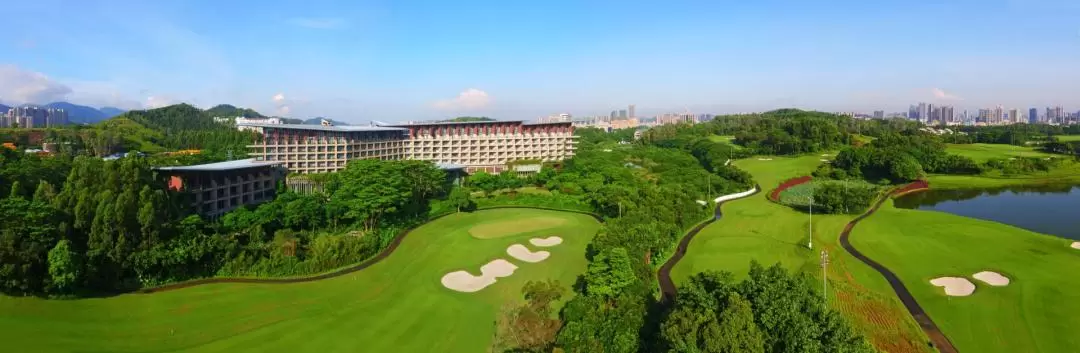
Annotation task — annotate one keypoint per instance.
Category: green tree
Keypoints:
(609, 273)
(461, 199)
(28, 229)
(533, 326)
(64, 267)
(488, 183)
(45, 192)
(735, 330)
(16, 190)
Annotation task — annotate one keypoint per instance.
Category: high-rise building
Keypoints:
(1013, 116)
(923, 112)
(631, 111)
(1033, 116)
(35, 117)
(1055, 115)
(879, 114)
(622, 115)
(946, 115)
(614, 115)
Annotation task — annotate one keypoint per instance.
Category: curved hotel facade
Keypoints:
(484, 145)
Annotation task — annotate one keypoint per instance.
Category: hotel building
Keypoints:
(481, 145)
(217, 188)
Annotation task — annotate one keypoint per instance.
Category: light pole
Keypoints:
(811, 244)
(824, 275)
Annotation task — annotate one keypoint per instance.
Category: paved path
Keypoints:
(667, 287)
(939, 340)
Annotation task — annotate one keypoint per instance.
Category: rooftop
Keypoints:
(222, 166)
(323, 128)
(457, 123)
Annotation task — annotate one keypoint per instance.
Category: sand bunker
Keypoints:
(1076, 245)
(546, 242)
(955, 286)
(522, 253)
(764, 159)
(825, 155)
(463, 281)
(992, 278)
(824, 160)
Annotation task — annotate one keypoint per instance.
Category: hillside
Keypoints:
(4, 108)
(230, 111)
(178, 127)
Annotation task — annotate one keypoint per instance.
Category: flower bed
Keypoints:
(775, 194)
(917, 185)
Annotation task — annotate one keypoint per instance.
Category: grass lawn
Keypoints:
(397, 305)
(982, 152)
(728, 139)
(757, 229)
(1067, 173)
(1037, 312)
(1065, 138)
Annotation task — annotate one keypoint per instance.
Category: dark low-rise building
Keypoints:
(217, 188)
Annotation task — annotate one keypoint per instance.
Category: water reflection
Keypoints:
(1049, 209)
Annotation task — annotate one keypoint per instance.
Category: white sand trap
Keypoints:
(546, 242)
(955, 286)
(522, 253)
(463, 281)
(1076, 245)
(764, 159)
(992, 278)
(825, 155)
(824, 160)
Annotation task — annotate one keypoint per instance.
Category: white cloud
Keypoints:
(317, 22)
(466, 100)
(941, 94)
(158, 102)
(281, 105)
(19, 86)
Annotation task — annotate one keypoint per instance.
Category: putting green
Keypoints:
(1036, 312)
(397, 305)
(512, 227)
(757, 229)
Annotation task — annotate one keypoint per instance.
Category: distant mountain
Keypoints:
(318, 120)
(230, 111)
(4, 108)
(79, 114)
(111, 111)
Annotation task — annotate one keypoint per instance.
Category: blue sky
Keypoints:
(403, 60)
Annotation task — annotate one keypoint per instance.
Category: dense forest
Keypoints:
(83, 226)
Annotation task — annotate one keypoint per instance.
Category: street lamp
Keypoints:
(824, 275)
(811, 244)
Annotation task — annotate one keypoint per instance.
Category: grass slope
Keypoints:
(981, 152)
(757, 229)
(397, 305)
(1066, 138)
(1067, 173)
(1037, 312)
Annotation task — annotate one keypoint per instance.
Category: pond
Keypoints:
(1047, 209)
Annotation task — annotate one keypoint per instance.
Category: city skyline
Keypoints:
(357, 62)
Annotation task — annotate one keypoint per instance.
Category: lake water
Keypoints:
(1049, 209)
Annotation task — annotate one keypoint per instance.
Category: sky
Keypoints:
(358, 61)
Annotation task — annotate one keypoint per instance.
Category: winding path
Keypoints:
(939, 340)
(667, 287)
(336, 273)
